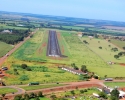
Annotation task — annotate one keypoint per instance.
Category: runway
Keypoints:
(53, 48)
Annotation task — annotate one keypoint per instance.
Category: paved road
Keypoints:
(15, 48)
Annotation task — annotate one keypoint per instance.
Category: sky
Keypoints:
(91, 9)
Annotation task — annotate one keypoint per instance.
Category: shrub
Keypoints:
(24, 66)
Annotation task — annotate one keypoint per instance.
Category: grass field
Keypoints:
(28, 88)
(114, 84)
(41, 99)
(7, 90)
(105, 53)
(119, 43)
(80, 96)
(4, 48)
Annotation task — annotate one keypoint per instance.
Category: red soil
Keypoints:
(122, 64)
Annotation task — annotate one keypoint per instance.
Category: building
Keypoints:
(6, 31)
(80, 34)
(71, 70)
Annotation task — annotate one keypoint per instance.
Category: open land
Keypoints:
(33, 53)
(4, 48)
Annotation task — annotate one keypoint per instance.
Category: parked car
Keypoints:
(4, 68)
(109, 79)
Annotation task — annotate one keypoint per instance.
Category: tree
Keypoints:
(81, 91)
(103, 95)
(26, 96)
(18, 97)
(3, 95)
(24, 66)
(120, 54)
(100, 47)
(109, 40)
(116, 56)
(105, 76)
(32, 95)
(115, 94)
(40, 94)
(72, 92)
(114, 49)
(84, 69)
(124, 48)
(95, 35)
(37, 98)
(53, 97)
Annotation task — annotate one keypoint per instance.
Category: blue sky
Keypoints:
(93, 9)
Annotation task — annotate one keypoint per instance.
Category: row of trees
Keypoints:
(120, 54)
(32, 95)
(83, 68)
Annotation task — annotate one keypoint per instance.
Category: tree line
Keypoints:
(14, 37)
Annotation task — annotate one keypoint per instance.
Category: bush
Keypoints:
(40, 94)
(24, 66)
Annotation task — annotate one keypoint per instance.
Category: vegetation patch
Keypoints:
(115, 84)
(7, 90)
(28, 88)
(4, 48)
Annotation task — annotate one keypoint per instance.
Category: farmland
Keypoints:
(4, 48)
(118, 43)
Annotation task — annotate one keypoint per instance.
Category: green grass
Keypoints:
(41, 98)
(85, 95)
(105, 53)
(119, 43)
(29, 50)
(114, 84)
(4, 48)
(73, 27)
(7, 90)
(36, 87)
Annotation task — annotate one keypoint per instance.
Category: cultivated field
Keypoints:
(118, 43)
(4, 48)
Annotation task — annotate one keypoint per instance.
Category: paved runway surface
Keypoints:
(53, 48)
